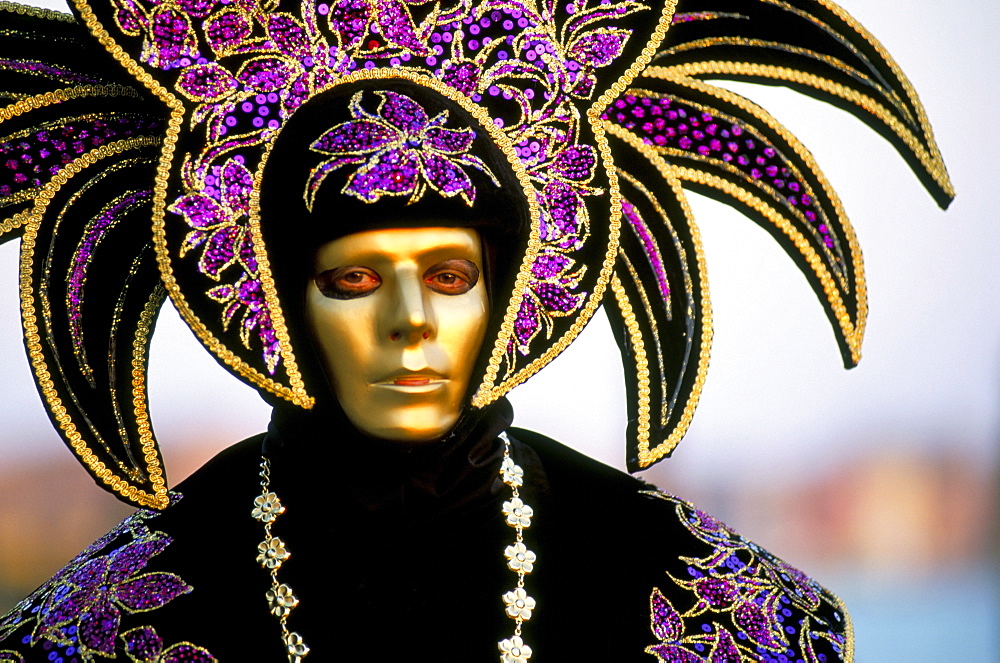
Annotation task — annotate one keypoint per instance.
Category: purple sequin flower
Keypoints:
(401, 150)
(213, 215)
(144, 644)
(247, 295)
(668, 627)
(94, 595)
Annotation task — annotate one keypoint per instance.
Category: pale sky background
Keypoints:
(777, 399)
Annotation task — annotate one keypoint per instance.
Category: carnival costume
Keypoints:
(191, 148)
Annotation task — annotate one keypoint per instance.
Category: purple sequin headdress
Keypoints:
(596, 115)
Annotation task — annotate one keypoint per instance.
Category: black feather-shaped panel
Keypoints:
(79, 147)
(64, 97)
(674, 129)
(720, 144)
(814, 47)
(659, 311)
(88, 319)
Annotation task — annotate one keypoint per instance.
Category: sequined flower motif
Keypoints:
(90, 600)
(295, 647)
(668, 626)
(267, 507)
(518, 513)
(519, 604)
(144, 645)
(214, 214)
(281, 600)
(271, 553)
(519, 558)
(246, 296)
(513, 475)
(401, 151)
(513, 650)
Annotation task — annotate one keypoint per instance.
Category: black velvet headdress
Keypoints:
(137, 143)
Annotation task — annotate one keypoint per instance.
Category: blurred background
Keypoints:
(881, 482)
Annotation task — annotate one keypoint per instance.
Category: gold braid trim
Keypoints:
(58, 96)
(852, 333)
(39, 12)
(848, 628)
(13, 223)
(641, 365)
(937, 169)
(829, 60)
(36, 356)
(140, 399)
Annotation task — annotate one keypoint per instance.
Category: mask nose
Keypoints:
(412, 318)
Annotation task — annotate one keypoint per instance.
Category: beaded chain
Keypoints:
(520, 560)
(272, 553)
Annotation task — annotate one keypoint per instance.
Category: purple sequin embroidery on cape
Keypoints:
(93, 596)
(145, 645)
(79, 612)
(747, 604)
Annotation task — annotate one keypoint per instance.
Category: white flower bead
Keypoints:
(282, 600)
(519, 604)
(272, 553)
(513, 650)
(518, 513)
(519, 558)
(267, 507)
(295, 647)
(512, 474)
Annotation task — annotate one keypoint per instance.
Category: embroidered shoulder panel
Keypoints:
(77, 615)
(737, 602)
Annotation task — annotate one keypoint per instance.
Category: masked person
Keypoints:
(385, 217)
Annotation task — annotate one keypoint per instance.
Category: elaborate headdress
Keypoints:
(137, 135)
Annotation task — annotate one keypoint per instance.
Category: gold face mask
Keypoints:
(399, 316)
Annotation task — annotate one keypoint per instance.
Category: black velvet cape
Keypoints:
(402, 559)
